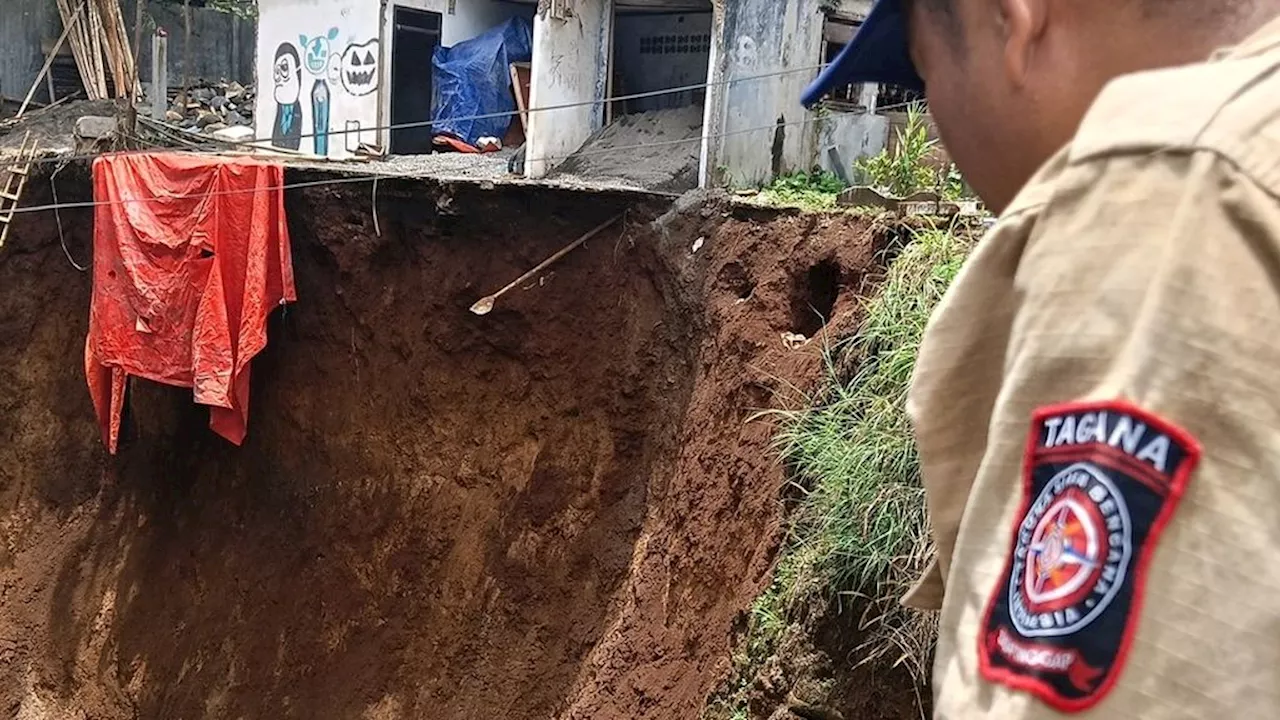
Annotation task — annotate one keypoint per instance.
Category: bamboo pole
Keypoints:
(49, 60)
(111, 44)
(126, 52)
(96, 50)
(120, 54)
(76, 38)
(139, 12)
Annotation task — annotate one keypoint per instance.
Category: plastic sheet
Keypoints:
(474, 78)
(190, 256)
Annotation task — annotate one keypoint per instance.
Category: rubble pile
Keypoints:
(211, 107)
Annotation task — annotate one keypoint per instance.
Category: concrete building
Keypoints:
(360, 66)
(334, 74)
(756, 57)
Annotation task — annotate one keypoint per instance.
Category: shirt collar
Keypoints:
(1262, 41)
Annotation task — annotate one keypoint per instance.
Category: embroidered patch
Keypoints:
(1100, 482)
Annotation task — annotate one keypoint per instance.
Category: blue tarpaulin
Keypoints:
(474, 78)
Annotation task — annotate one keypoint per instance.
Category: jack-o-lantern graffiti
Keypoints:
(359, 69)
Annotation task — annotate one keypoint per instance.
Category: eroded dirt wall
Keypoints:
(556, 510)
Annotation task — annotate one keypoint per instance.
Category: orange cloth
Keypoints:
(191, 254)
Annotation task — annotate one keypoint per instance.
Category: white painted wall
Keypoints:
(644, 71)
(852, 136)
(756, 127)
(468, 19)
(331, 92)
(570, 65)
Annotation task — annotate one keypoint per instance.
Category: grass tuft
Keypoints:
(858, 534)
(808, 191)
(861, 529)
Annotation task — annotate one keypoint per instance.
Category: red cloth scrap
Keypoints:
(190, 256)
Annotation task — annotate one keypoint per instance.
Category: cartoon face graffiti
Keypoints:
(287, 75)
(360, 68)
(316, 50)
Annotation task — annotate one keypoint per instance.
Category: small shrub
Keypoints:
(815, 190)
(904, 170)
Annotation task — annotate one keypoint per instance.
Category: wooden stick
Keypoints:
(118, 46)
(107, 21)
(139, 11)
(485, 304)
(76, 48)
(128, 60)
(78, 38)
(95, 43)
(49, 60)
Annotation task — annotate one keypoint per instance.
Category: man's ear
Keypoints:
(1023, 24)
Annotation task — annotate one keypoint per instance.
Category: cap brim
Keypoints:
(878, 53)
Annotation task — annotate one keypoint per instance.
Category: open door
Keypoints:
(415, 35)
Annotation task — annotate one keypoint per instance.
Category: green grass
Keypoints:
(859, 532)
(861, 528)
(810, 191)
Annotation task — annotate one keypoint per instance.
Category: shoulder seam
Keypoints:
(1265, 175)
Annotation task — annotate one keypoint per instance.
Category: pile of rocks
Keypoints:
(211, 107)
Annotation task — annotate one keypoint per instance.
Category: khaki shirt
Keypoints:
(1138, 276)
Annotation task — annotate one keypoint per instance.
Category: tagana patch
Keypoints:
(1101, 481)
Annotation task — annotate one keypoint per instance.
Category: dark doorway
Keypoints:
(414, 39)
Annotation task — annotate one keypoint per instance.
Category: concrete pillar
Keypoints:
(570, 67)
(159, 74)
(870, 91)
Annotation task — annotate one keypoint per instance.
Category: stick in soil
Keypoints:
(485, 305)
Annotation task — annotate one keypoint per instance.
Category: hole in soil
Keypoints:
(814, 298)
(734, 278)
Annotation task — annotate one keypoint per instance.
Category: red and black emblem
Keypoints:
(1101, 482)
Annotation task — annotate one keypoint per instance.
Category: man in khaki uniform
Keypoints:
(1097, 400)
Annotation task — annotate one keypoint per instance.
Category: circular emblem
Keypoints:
(1073, 552)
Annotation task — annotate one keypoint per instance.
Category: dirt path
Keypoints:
(555, 511)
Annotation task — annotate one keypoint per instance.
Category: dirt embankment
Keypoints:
(554, 511)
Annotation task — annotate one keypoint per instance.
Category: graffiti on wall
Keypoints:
(287, 78)
(359, 68)
(317, 55)
(325, 81)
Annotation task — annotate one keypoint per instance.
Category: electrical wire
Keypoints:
(207, 142)
(407, 176)
(62, 238)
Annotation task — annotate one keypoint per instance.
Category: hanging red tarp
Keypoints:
(190, 256)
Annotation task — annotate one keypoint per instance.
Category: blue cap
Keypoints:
(878, 54)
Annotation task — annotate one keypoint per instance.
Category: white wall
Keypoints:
(758, 127)
(570, 65)
(337, 44)
(754, 37)
(644, 68)
(852, 136)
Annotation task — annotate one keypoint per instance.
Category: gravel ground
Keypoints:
(461, 167)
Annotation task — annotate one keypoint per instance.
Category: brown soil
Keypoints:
(558, 510)
(52, 129)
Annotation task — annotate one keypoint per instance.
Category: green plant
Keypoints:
(815, 190)
(904, 169)
(953, 185)
(239, 8)
(861, 529)
(858, 535)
